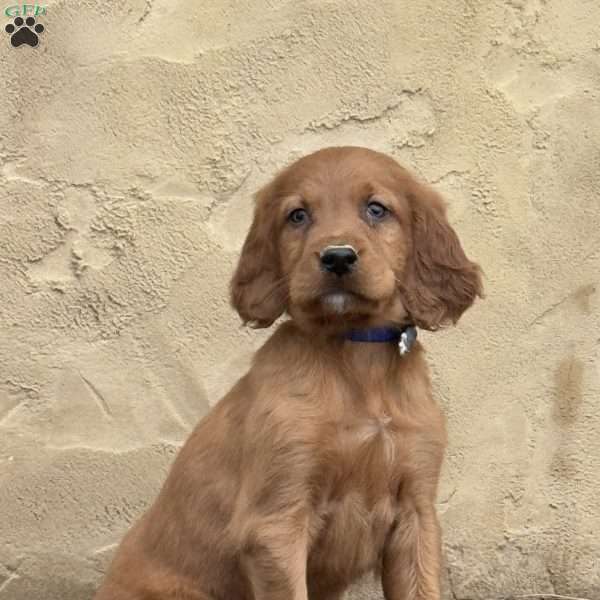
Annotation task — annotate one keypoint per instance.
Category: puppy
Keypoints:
(321, 464)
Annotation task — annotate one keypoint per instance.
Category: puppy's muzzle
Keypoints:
(339, 260)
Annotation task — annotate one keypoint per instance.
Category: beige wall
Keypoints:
(131, 140)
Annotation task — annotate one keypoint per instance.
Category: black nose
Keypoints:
(338, 259)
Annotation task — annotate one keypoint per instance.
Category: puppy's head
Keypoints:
(346, 237)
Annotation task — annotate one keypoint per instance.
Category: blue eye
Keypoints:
(376, 211)
(298, 216)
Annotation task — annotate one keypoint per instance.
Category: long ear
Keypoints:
(258, 291)
(440, 282)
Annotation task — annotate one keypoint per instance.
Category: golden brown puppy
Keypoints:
(321, 464)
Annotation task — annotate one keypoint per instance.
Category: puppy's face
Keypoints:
(346, 237)
(343, 239)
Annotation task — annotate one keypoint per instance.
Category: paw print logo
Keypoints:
(24, 32)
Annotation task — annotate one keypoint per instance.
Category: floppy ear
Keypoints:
(258, 291)
(440, 282)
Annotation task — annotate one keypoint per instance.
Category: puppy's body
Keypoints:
(321, 464)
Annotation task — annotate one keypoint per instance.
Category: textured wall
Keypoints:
(130, 141)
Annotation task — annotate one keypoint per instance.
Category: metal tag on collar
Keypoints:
(407, 340)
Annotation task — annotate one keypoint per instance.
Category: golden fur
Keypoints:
(321, 464)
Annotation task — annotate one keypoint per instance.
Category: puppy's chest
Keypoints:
(365, 458)
(368, 451)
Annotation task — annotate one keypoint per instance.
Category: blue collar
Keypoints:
(405, 337)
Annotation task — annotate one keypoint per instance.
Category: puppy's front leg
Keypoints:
(412, 556)
(275, 560)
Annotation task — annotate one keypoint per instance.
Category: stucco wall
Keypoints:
(131, 139)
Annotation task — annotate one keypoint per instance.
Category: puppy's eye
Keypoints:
(298, 216)
(376, 211)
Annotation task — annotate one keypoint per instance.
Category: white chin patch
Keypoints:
(337, 302)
